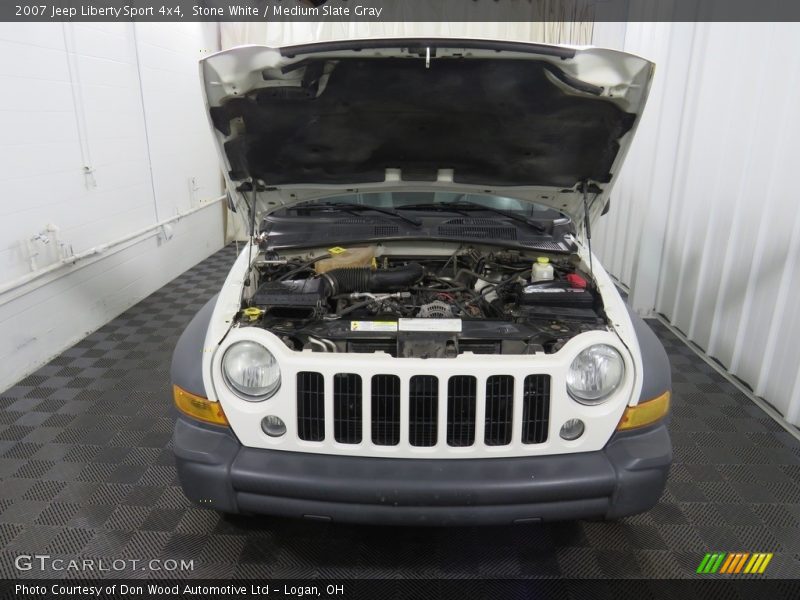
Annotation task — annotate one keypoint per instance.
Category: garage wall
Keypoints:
(104, 138)
(286, 34)
(704, 225)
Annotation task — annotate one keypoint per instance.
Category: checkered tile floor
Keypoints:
(86, 471)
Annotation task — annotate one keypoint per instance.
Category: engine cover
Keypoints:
(294, 293)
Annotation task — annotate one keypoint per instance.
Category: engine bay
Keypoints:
(433, 301)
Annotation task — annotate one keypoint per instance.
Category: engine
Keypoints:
(382, 299)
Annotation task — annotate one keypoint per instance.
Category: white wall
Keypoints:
(286, 34)
(103, 135)
(704, 224)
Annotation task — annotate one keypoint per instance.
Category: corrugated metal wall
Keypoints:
(273, 33)
(705, 226)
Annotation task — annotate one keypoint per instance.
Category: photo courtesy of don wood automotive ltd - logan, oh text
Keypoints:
(399, 299)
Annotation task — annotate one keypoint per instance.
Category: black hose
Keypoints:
(364, 279)
(302, 267)
(355, 306)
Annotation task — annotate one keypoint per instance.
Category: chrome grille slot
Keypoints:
(423, 409)
(347, 408)
(461, 401)
(535, 409)
(499, 410)
(385, 410)
(310, 406)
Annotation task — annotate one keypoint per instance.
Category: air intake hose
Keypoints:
(364, 279)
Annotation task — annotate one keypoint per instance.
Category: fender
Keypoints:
(187, 358)
(657, 375)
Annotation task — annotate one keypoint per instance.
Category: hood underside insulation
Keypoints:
(493, 122)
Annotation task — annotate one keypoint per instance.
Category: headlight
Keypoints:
(594, 374)
(251, 371)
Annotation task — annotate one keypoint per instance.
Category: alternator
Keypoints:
(436, 310)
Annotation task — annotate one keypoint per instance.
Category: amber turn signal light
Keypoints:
(645, 413)
(198, 407)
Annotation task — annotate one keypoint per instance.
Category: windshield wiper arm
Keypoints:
(467, 204)
(505, 213)
(360, 207)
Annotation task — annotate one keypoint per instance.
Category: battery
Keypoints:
(555, 293)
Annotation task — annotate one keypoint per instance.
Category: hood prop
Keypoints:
(253, 211)
(252, 231)
(586, 226)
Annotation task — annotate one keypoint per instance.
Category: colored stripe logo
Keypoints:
(733, 563)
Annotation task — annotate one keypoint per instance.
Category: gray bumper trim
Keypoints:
(625, 478)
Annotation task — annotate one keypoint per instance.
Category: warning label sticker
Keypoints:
(373, 325)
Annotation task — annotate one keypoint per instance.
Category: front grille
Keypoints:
(310, 406)
(347, 408)
(535, 409)
(386, 410)
(387, 398)
(423, 410)
(499, 410)
(461, 397)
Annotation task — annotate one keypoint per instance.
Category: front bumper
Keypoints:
(625, 478)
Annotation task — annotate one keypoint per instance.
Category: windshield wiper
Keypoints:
(469, 205)
(361, 207)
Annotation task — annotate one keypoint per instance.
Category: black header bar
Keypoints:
(287, 11)
(380, 589)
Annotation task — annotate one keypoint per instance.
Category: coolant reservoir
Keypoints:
(361, 256)
(542, 270)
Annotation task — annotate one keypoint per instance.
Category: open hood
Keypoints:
(530, 121)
